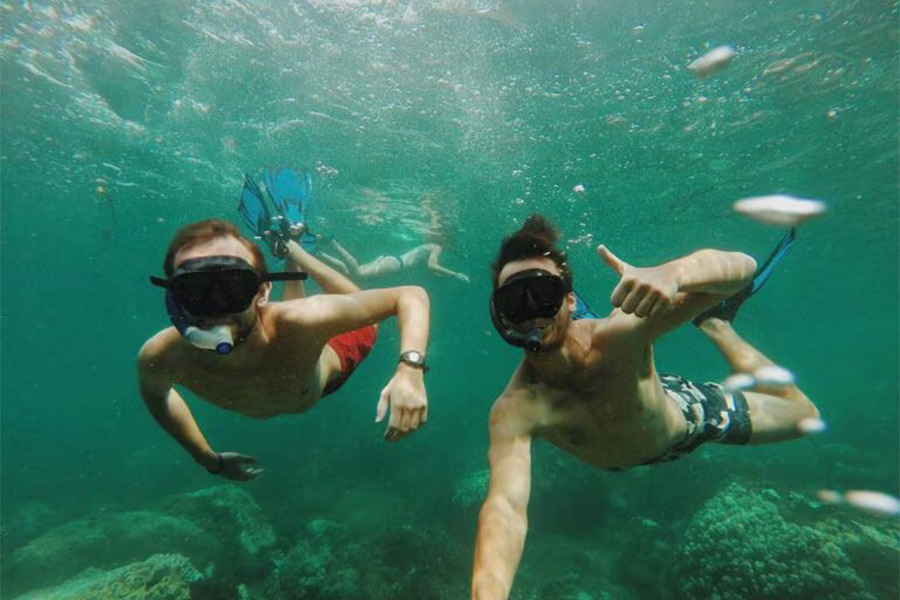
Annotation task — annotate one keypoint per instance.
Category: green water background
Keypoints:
(498, 110)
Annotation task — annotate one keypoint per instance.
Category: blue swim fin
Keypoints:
(291, 191)
(727, 308)
(582, 310)
(253, 207)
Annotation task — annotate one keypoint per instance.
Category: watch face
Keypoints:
(413, 356)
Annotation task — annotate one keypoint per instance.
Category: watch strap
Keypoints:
(419, 364)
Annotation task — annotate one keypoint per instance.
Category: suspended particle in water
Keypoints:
(713, 61)
(774, 376)
(578, 189)
(873, 502)
(739, 382)
(780, 209)
(811, 426)
(830, 496)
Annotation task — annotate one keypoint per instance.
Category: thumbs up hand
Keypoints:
(642, 291)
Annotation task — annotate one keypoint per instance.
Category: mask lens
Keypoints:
(530, 298)
(215, 293)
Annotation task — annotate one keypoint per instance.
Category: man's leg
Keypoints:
(331, 281)
(774, 412)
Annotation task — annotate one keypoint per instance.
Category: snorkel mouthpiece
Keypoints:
(533, 341)
(216, 338)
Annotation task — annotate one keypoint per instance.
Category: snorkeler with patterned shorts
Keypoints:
(590, 385)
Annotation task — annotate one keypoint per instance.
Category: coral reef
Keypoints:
(229, 513)
(327, 563)
(104, 541)
(160, 577)
(740, 546)
(472, 488)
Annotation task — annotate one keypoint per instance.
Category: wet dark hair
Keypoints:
(537, 238)
(204, 231)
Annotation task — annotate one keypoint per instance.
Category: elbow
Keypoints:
(413, 295)
(416, 292)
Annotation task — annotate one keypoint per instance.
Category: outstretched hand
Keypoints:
(642, 291)
(405, 395)
(238, 467)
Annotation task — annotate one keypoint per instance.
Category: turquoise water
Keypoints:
(121, 122)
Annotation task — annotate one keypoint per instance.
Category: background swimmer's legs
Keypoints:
(383, 265)
(333, 262)
(329, 279)
(774, 412)
(350, 262)
(433, 253)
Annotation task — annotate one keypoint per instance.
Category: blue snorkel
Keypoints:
(217, 338)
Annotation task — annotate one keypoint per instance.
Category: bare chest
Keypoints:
(613, 427)
(277, 385)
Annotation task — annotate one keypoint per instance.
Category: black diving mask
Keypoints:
(217, 286)
(531, 294)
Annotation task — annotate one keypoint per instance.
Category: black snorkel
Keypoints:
(530, 340)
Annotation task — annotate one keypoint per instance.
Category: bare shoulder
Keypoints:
(300, 311)
(158, 350)
(619, 328)
(512, 414)
(158, 360)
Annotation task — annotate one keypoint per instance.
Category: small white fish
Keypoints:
(739, 382)
(830, 496)
(780, 209)
(873, 502)
(578, 189)
(773, 375)
(867, 500)
(811, 426)
(713, 61)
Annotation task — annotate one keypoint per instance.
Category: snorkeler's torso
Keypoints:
(607, 407)
(271, 373)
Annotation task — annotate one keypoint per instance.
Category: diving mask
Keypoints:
(213, 287)
(216, 286)
(530, 294)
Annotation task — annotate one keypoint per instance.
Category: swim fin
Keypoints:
(727, 308)
(291, 192)
(582, 310)
(253, 207)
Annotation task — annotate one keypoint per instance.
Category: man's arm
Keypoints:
(172, 413)
(405, 392)
(503, 522)
(656, 300)
(335, 314)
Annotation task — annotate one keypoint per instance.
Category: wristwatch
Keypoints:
(414, 358)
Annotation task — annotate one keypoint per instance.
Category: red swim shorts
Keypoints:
(351, 347)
